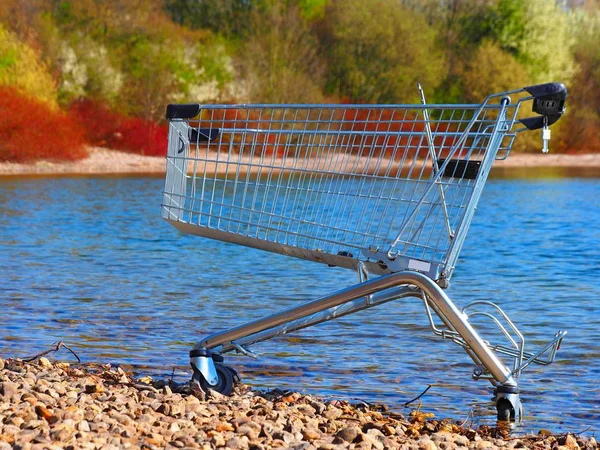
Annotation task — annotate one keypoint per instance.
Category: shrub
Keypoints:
(107, 128)
(21, 67)
(141, 136)
(30, 130)
(99, 122)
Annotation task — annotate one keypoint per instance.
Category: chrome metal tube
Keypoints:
(323, 316)
(445, 306)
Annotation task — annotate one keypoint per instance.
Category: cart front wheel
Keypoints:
(505, 410)
(224, 384)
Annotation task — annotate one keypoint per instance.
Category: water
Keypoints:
(89, 261)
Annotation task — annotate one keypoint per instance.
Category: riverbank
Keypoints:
(103, 161)
(47, 405)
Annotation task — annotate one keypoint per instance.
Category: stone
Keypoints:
(238, 443)
(332, 413)
(571, 442)
(461, 440)
(1, 364)
(9, 390)
(218, 440)
(348, 434)
(311, 433)
(45, 363)
(248, 431)
(425, 443)
(372, 440)
(43, 412)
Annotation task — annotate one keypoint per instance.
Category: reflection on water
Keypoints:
(89, 261)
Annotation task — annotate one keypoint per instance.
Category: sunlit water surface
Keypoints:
(89, 261)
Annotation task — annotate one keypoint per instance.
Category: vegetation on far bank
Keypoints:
(100, 72)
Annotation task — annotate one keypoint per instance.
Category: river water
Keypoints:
(89, 261)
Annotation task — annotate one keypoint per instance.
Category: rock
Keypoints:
(442, 436)
(325, 446)
(425, 443)
(248, 431)
(9, 390)
(348, 434)
(332, 413)
(461, 440)
(44, 413)
(311, 433)
(83, 426)
(164, 408)
(45, 363)
(217, 439)
(371, 440)
(1, 364)
(284, 436)
(238, 443)
(93, 388)
(571, 442)
(224, 426)
(483, 444)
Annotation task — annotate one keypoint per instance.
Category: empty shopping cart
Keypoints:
(386, 190)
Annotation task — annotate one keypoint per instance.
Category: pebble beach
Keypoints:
(102, 161)
(54, 405)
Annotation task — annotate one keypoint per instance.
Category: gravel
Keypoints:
(53, 405)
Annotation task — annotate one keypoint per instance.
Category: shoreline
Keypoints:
(102, 161)
(56, 405)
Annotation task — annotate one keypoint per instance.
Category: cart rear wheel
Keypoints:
(224, 384)
(505, 410)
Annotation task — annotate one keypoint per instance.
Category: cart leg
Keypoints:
(330, 306)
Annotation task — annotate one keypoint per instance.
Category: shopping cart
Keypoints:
(386, 190)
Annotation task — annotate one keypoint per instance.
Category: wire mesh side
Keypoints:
(336, 180)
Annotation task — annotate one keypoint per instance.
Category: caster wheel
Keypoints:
(505, 411)
(224, 385)
(234, 375)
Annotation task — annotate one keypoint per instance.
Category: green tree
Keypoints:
(379, 50)
(226, 17)
(581, 130)
(491, 70)
(536, 32)
(280, 60)
(21, 67)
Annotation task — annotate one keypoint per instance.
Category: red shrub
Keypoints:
(141, 136)
(30, 130)
(99, 122)
(110, 129)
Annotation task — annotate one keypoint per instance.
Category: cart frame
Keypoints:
(252, 175)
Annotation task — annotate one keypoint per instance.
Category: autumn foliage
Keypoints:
(107, 128)
(31, 130)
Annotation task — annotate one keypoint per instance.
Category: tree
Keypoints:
(491, 70)
(379, 50)
(21, 67)
(535, 32)
(280, 60)
(582, 121)
(226, 17)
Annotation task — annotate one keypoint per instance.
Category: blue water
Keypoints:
(88, 261)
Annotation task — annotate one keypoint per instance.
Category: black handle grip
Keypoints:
(182, 111)
(549, 101)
